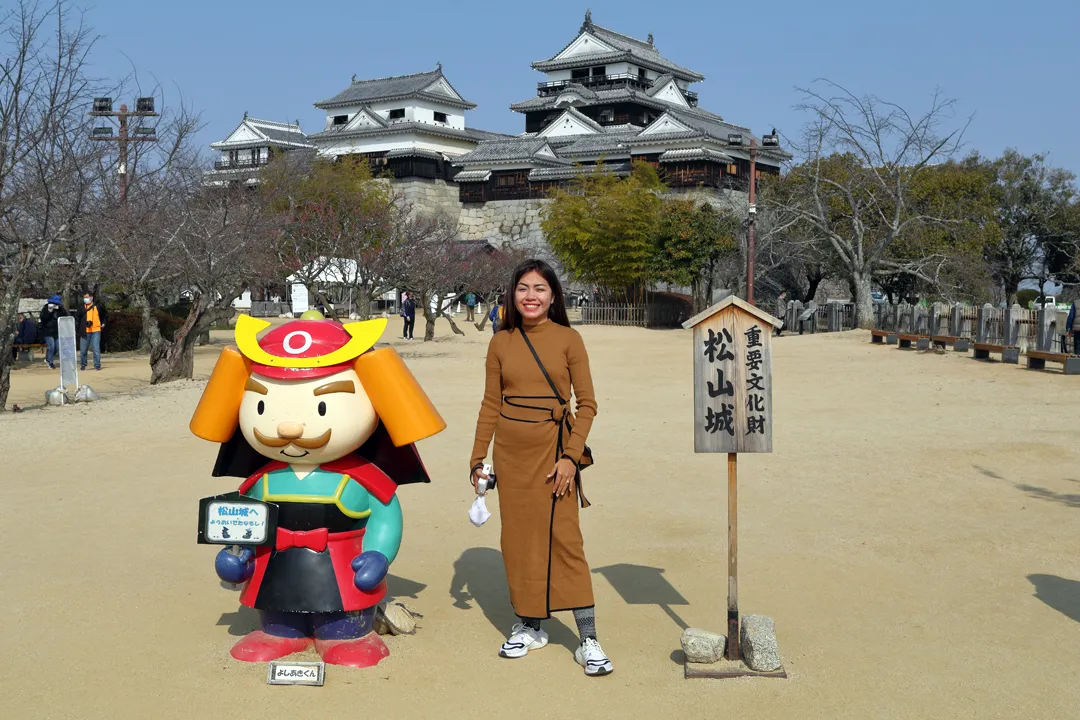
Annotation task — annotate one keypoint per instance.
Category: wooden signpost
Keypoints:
(733, 411)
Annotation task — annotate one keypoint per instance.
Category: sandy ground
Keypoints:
(913, 535)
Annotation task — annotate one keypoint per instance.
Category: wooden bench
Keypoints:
(1037, 359)
(1009, 353)
(922, 342)
(959, 344)
(879, 336)
(26, 350)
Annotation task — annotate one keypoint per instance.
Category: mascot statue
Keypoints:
(322, 427)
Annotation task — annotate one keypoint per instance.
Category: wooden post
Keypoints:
(733, 557)
(984, 322)
(733, 407)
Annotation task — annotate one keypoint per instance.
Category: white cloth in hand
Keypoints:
(478, 513)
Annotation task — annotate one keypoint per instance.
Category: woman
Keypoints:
(533, 362)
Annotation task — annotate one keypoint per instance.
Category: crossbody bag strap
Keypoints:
(582, 500)
(547, 377)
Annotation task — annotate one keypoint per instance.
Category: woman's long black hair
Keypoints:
(557, 312)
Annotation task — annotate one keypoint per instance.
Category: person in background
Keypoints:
(470, 307)
(496, 315)
(781, 311)
(26, 334)
(53, 310)
(89, 323)
(408, 314)
(1072, 328)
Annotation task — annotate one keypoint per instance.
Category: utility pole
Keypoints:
(751, 251)
(144, 107)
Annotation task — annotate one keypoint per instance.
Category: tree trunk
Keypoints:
(861, 286)
(453, 325)
(173, 359)
(7, 338)
(815, 282)
(429, 317)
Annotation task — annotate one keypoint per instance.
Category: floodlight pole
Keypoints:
(122, 140)
(750, 250)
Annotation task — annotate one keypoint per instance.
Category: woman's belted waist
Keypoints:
(535, 409)
(544, 409)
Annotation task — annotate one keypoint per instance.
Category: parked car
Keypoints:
(878, 297)
(1050, 301)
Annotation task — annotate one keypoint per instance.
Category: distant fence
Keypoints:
(832, 316)
(1011, 326)
(269, 309)
(633, 315)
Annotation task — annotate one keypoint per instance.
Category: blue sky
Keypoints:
(1014, 66)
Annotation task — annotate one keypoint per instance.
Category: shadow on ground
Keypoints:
(480, 577)
(643, 585)
(1068, 499)
(1057, 592)
(241, 622)
(245, 619)
(1039, 493)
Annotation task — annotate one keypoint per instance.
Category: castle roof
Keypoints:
(595, 45)
(252, 132)
(431, 85)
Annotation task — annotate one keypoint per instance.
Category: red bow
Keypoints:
(311, 539)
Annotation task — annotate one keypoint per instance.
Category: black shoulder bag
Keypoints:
(586, 454)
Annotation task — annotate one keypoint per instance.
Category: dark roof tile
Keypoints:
(390, 88)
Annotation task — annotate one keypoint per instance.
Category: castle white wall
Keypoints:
(415, 111)
(332, 147)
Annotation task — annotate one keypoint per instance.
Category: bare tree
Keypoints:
(43, 92)
(860, 156)
(438, 266)
(372, 251)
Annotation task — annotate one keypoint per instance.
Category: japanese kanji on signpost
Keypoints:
(732, 414)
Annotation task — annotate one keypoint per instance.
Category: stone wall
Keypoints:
(430, 196)
(516, 222)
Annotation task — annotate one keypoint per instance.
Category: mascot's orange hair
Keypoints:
(402, 405)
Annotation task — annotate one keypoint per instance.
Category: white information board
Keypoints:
(243, 522)
(69, 361)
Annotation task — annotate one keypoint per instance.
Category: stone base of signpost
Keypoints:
(703, 652)
(727, 669)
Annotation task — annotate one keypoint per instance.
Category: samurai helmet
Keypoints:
(303, 349)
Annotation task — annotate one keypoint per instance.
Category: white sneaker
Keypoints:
(522, 639)
(591, 657)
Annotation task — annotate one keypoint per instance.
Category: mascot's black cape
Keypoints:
(401, 464)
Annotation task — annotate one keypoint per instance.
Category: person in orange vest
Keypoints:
(90, 323)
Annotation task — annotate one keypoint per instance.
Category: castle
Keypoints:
(605, 98)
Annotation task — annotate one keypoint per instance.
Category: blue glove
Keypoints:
(235, 564)
(371, 568)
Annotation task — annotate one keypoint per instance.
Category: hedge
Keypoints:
(124, 327)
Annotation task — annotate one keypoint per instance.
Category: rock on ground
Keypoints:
(702, 646)
(757, 636)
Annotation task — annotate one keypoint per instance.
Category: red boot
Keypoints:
(362, 652)
(257, 646)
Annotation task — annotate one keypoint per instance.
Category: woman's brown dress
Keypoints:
(541, 539)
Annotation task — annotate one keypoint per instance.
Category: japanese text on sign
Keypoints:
(732, 378)
(296, 673)
(243, 522)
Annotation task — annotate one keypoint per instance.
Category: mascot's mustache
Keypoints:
(306, 443)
